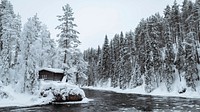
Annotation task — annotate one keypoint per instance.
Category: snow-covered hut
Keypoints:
(51, 74)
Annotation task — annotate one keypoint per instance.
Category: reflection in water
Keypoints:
(116, 102)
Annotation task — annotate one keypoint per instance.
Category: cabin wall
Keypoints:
(46, 75)
(58, 77)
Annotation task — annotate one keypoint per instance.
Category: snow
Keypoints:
(161, 91)
(72, 70)
(60, 86)
(85, 100)
(64, 79)
(25, 99)
(17, 99)
(53, 70)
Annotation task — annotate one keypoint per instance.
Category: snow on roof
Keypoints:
(53, 70)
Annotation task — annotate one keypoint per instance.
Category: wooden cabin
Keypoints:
(51, 74)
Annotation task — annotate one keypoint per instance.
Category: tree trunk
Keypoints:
(64, 68)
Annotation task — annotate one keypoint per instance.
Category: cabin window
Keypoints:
(44, 76)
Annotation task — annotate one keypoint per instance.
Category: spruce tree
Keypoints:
(9, 34)
(105, 60)
(68, 43)
(29, 51)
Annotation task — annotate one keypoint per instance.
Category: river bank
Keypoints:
(161, 91)
(108, 101)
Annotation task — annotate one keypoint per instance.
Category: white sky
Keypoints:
(95, 18)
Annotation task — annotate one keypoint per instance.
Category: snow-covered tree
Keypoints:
(175, 22)
(112, 64)
(191, 74)
(121, 62)
(105, 60)
(9, 34)
(71, 58)
(127, 61)
(164, 50)
(47, 48)
(90, 58)
(116, 47)
(29, 54)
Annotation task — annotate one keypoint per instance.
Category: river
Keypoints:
(107, 101)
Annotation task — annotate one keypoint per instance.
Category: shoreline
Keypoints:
(156, 92)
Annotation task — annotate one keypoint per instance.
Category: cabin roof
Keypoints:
(52, 70)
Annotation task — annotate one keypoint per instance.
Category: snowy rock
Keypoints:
(61, 92)
(183, 90)
(3, 95)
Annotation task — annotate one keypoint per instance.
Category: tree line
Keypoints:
(161, 50)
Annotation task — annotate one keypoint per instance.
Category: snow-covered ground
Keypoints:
(156, 92)
(23, 100)
(160, 91)
(17, 99)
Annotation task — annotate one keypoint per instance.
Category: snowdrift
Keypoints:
(61, 92)
(48, 93)
(179, 89)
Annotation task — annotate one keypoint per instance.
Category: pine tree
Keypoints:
(112, 64)
(168, 75)
(15, 46)
(105, 60)
(91, 67)
(116, 47)
(72, 59)
(149, 68)
(185, 15)
(191, 74)
(196, 13)
(68, 36)
(127, 63)
(9, 34)
(29, 50)
(175, 22)
(130, 52)
(156, 44)
(122, 75)
(47, 48)
(140, 46)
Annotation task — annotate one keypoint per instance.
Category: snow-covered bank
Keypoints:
(85, 100)
(24, 99)
(19, 99)
(161, 91)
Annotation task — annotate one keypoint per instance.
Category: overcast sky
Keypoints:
(95, 18)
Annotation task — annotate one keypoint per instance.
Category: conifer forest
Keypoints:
(161, 50)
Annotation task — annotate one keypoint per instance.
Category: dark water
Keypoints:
(106, 101)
